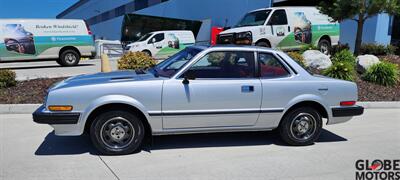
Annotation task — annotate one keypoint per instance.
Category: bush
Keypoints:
(297, 57)
(339, 47)
(135, 61)
(377, 49)
(7, 78)
(345, 56)
(308, 47)
(383, 73)
(341, 70)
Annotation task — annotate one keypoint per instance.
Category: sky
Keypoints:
(33, 8)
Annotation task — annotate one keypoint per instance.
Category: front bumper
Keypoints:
(42, 117)
(347, 111)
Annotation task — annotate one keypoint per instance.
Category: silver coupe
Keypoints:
(199, 90)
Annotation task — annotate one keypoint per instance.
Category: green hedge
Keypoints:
(383, 73)
(7, 78)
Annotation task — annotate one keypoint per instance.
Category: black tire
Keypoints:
(69, 58)
(293, 126)
(324, 46)
(263, 44)
(147, 52)
(117, 133)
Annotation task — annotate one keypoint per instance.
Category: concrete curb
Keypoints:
(30, 108)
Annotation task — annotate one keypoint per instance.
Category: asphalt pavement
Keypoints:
(50, 68)
(32, 151)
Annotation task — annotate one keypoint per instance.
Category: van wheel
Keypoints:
(324, 46)
(117, 133)
(147, 52)
(69, 58)
(263, 44)
(301, 126)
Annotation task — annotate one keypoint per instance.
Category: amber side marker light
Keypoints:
(60, 108)
(347, 103)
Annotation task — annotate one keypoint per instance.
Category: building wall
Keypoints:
(376, 30)
(221, 12)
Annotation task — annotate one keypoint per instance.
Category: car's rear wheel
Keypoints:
(301, 126)
(69, 58)
(117, 133)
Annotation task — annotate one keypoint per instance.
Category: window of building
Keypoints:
(278, 18)
(270, 67)
(229, 64)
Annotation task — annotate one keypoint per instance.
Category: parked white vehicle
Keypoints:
(162, 44)
(66, 40)
(286, 28)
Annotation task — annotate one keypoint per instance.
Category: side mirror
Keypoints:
(153, 40)
(189, 75)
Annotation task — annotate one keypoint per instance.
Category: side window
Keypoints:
(157, 38)
(229, 64)
(278, 18)
(270, 67)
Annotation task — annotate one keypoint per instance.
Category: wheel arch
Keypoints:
(263, 40)
(116, 102)
(122, 107)
(308, 101)
(326, 37)
(68, 48)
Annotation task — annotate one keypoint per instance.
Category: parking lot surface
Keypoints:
(32, 151)
(50, 69)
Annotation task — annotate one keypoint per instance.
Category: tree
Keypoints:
(359, 11)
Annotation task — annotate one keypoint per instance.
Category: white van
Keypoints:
(31, 39)
(162, 44)
(286, 28)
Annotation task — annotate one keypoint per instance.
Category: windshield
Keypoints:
(170, 66)
(255, 18)
(145, 37)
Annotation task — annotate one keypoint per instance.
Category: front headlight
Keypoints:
(244, 35)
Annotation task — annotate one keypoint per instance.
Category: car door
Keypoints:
(280, 29)
(224, 93)
(279, 87)
(157, 43)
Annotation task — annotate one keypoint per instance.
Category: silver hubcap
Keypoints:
(117, 133)
(303, 127)
(70, 58)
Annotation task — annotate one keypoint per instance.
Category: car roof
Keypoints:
(233, 46)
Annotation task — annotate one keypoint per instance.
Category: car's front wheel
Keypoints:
(117, 133)
(301, 126)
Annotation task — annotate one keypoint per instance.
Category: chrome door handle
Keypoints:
(247, 89)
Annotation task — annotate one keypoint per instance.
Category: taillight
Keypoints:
(347, 103)
(88, 29)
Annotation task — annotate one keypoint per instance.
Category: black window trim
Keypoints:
(255, 74)
(290, 73)
(291, 68)
(270, 18)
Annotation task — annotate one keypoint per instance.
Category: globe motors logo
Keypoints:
(378, 169)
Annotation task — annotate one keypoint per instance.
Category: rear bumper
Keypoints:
(347, 111)
(42, 117)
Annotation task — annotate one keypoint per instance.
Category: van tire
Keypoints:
(324, 46)
(147, 52)
(69, 58)
(263, 44)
